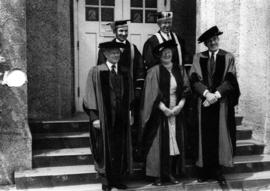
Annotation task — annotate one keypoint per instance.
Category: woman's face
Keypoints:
(166, 56)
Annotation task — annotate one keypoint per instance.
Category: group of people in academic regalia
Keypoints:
(137, 106)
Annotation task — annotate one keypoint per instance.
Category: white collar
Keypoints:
(165, 35)
(215, 53)
(110, 66)
(124, 42)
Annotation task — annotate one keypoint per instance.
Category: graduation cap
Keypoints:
(160, 47)
(120, 23)
(111, 44)
(164, 15)
(213, 31)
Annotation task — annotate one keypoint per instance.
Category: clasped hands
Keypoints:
(211, 98)
(170, 112)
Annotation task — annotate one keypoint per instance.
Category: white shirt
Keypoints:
(215, 54)
(167, 36)
(124, 42)
(215, 57)
(110, 66)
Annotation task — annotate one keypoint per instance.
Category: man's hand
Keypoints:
(206, 103)
(96, 124)
(211, 98)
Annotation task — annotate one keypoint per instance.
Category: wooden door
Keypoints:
(90, 25)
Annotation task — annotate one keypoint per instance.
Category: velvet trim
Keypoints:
(219, 71)
(234, 96)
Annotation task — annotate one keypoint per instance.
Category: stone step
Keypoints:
(249, 147)
(243, 133)
(61, 140)
(81, 187)
(235, 181)
(55, 176)
(78, 123)
(250, 163)
(85, 174)
(62, 157)
(60, 126)
(81, 139)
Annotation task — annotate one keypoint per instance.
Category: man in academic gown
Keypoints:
(130, 60)
(164, 21)
(107, 102)
(213, 79)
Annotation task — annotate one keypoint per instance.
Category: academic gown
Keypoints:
(155, 131)
(152, 59)
(138, 69)
(216, 124)
(111, 144)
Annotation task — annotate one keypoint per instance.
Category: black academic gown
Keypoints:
(111, 144)
(138, 72)
(155, 131)
(138, 69)
(151, 59)
(216, 124)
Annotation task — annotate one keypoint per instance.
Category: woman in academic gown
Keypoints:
(166, 87)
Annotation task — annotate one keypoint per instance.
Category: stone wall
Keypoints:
(49, 54)
(246, 34)
(15, 137)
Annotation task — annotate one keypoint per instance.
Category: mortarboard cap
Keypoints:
(213, 31)
(119, 23)
(111, 44)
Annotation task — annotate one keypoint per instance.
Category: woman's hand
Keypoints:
(176, 110)
(167, 112)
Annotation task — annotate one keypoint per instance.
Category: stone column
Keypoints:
(15, 137)
(254, 65)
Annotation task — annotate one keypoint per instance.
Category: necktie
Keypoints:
(212, 63)
(168, 36)
(113, 69)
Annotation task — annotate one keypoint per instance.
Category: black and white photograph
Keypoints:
(136, 95)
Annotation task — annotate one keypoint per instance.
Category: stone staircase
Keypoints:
(62, 161)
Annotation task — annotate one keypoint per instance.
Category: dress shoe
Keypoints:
(173, 180)
(221, 179)
(202, 179)
(106, 187)
(120, 186)
(157, 182)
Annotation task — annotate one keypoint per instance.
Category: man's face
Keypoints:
(121, 33)
(212, 43)
(112, 55)
(165, 25)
